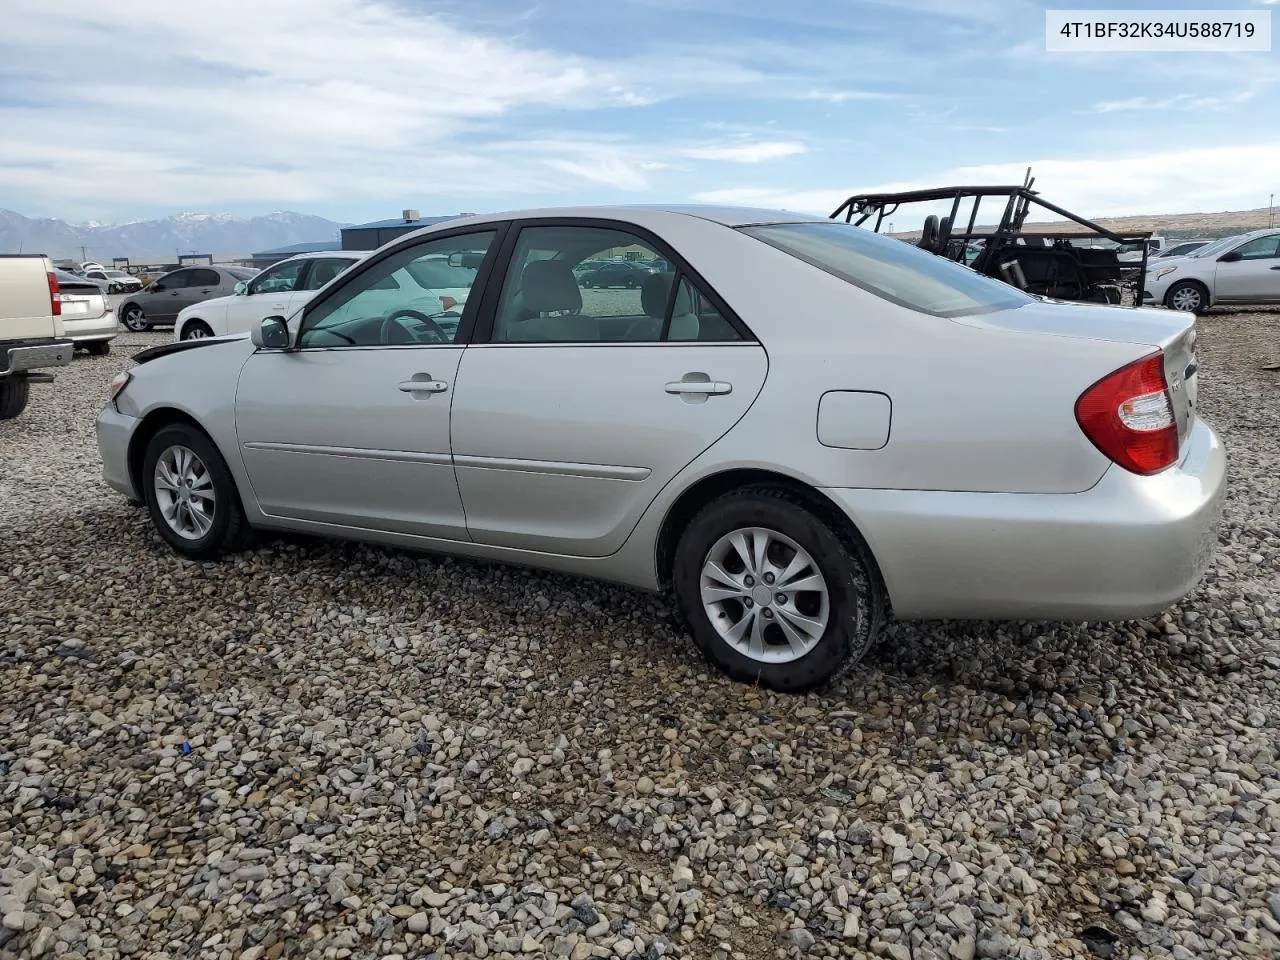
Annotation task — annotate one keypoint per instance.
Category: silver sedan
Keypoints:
(797, 427)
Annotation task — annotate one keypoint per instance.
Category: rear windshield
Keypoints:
(896, 271)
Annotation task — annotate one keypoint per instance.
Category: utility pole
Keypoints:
(83, 255)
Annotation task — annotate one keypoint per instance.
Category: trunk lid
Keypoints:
(1171, 331)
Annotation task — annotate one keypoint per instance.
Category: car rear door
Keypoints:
(1252, 278)
(573, 408)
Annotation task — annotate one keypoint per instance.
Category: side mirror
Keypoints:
(1230, 257)
(240, 288)
(271, 334)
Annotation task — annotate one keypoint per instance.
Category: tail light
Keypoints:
(1128, 415)
(55, 301)
(448, 302)
(118, 383)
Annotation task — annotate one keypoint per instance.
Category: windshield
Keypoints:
(1215, 247)
(241, 273)
(896, 271)
(440, 274)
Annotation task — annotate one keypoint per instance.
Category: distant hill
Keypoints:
(1179, 226)
(183, 233)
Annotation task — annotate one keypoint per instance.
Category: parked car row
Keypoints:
(781, 428)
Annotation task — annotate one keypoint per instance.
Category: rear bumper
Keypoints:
(115, 430)
(83, 330)
(1128, 547)
(22, 355)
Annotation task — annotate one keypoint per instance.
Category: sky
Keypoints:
(356, 109)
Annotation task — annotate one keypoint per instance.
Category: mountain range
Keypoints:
(218, 234)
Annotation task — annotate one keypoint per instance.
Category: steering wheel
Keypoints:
(422, 319)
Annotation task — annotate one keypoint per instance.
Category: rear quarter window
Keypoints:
(892, 270)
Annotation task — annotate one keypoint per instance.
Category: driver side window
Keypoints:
(400, 301)
(282, 278)
(1263, 248)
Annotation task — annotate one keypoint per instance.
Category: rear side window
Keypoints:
(204, 278)
(890, 269)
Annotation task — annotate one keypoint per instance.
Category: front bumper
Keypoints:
(21, 355)
(1128, 547)
(115, 430)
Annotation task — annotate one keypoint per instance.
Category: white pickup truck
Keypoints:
(32, 335)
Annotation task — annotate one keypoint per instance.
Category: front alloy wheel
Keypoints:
(191, 495)
(134, 319)
(184, 492)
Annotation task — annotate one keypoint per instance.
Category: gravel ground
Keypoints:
(327, 750)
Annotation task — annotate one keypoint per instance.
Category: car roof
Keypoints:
(327, 254)
(729, 216)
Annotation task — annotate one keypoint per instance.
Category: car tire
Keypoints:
(14, 393)
(833, 620)
(98, 348)
(208, 521)
(1188, 296)
(588, 284)
(630, 283)
(133, 318)
(196, 330)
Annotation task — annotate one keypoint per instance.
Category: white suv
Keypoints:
(276, 291)
(1241, 270)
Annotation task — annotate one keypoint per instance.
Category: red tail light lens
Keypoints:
(448, 302)
(1128, 415)
(54, 302)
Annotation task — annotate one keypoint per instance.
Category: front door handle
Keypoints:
(423, 386)
(1275, 268)
(703, 387)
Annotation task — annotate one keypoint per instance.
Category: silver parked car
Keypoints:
(798, 427)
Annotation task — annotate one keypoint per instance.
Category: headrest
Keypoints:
(548, 286)
(654, 293)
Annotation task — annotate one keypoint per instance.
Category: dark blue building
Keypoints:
(370, 236)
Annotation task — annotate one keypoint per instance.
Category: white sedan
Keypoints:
(798, 428)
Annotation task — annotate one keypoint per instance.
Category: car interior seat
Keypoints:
(545, 309)
(655, 292)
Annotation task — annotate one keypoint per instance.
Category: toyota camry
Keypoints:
(798, 428)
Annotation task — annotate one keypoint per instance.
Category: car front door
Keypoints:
(167, 296)
(576, 407)
(269, 294)
(1254, 276)
(351, 428)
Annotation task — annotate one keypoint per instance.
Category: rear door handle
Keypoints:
(1275, 268)
(704, 387)
(423, 386)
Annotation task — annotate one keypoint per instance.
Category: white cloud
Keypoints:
(1180, 101)
(747, 152)
(1226, 177)
(844, 96)
(299, 101)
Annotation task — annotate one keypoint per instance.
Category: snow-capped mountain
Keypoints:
(216, 233)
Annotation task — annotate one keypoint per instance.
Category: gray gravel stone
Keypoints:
(323, 750)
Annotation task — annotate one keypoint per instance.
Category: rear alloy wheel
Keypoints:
(196, 330)
(772, 594)
(191, 495)
(1188, 296)
(588, 284)
(134, 319)
(631, 283)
